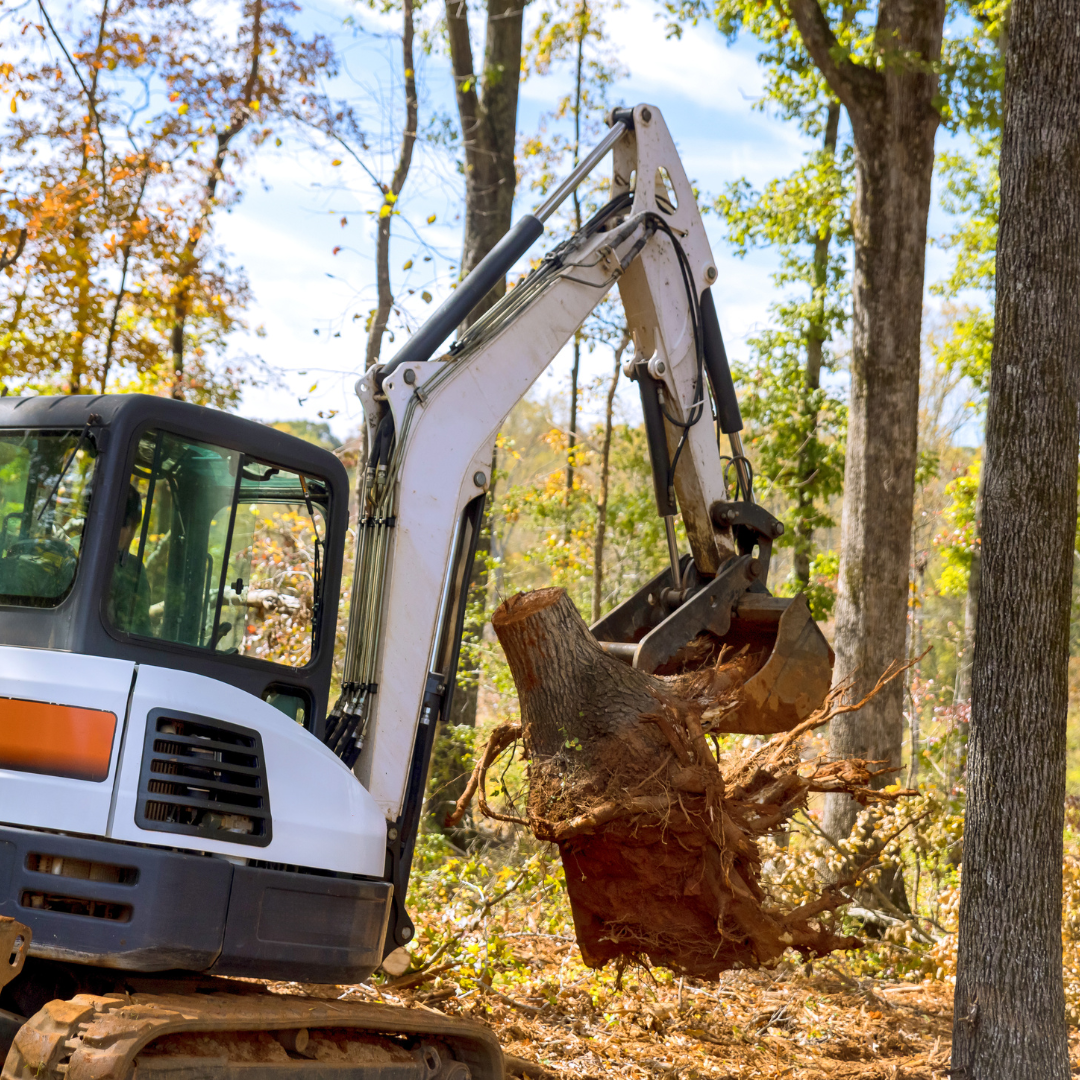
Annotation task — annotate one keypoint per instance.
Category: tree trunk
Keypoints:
(571, 438)
(971, 602)
(894, 122)
(386, 212)
(575, 371)
(816, 336)
(488, 115)
(658, 837)
(1009, 1018)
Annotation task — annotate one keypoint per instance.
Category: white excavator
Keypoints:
(180, 803)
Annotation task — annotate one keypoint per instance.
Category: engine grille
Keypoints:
(203, 777)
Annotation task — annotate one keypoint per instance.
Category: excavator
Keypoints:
(185, 816)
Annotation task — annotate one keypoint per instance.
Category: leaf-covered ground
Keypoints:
(495, 942)
(751, 1024)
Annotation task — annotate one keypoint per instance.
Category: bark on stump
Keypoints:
(658, 838)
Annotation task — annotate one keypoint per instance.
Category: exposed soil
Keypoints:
(657, 829)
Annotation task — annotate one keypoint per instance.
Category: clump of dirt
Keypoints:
(657, 829)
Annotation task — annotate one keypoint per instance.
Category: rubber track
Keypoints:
(98, 1038)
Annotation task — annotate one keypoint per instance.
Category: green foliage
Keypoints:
(452, 760)
(795, 433)
(927, 466)
(452, 897)
(796, 426)
(971, 194)
(957, 543)
(821, 591)
(564, 523)
(972, 65)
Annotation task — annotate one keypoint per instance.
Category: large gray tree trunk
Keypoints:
(1009, 1007)
(971, 603)
(894, 123)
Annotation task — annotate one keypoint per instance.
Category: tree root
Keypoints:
(658, 834)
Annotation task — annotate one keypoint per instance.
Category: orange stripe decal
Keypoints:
(60, 740)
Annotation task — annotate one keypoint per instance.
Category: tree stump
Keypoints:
(658, 837)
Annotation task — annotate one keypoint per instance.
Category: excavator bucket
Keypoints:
(657, 633)
(795, 677)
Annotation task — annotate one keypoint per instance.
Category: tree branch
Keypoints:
(461, 59)
(7, 260)
(91, 96)
(408, 141)
(408, 136)
(858, 87)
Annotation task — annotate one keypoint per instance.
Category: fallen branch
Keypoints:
(515, 1066)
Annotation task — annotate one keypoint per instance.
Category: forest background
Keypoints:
(228, 255)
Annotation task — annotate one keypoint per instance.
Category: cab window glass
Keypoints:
(45, 485)
(219, 551)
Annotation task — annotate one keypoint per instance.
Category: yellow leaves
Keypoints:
(14, 104)
(431, 220)
(385, 210)
(555, 439)
(426, 296)
(408, 265)
(254, 106)
(336, 162)
(183, 109)
(409, 73)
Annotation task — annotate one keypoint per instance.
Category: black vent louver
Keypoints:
(203, 777)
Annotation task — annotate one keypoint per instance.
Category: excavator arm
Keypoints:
(432, 420)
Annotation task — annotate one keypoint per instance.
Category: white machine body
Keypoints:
(322, 818)
(448, 414)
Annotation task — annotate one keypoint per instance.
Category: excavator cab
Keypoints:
(146, 529)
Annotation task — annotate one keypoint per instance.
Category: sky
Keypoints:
(310, 303)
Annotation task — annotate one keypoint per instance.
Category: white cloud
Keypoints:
(285, 230)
